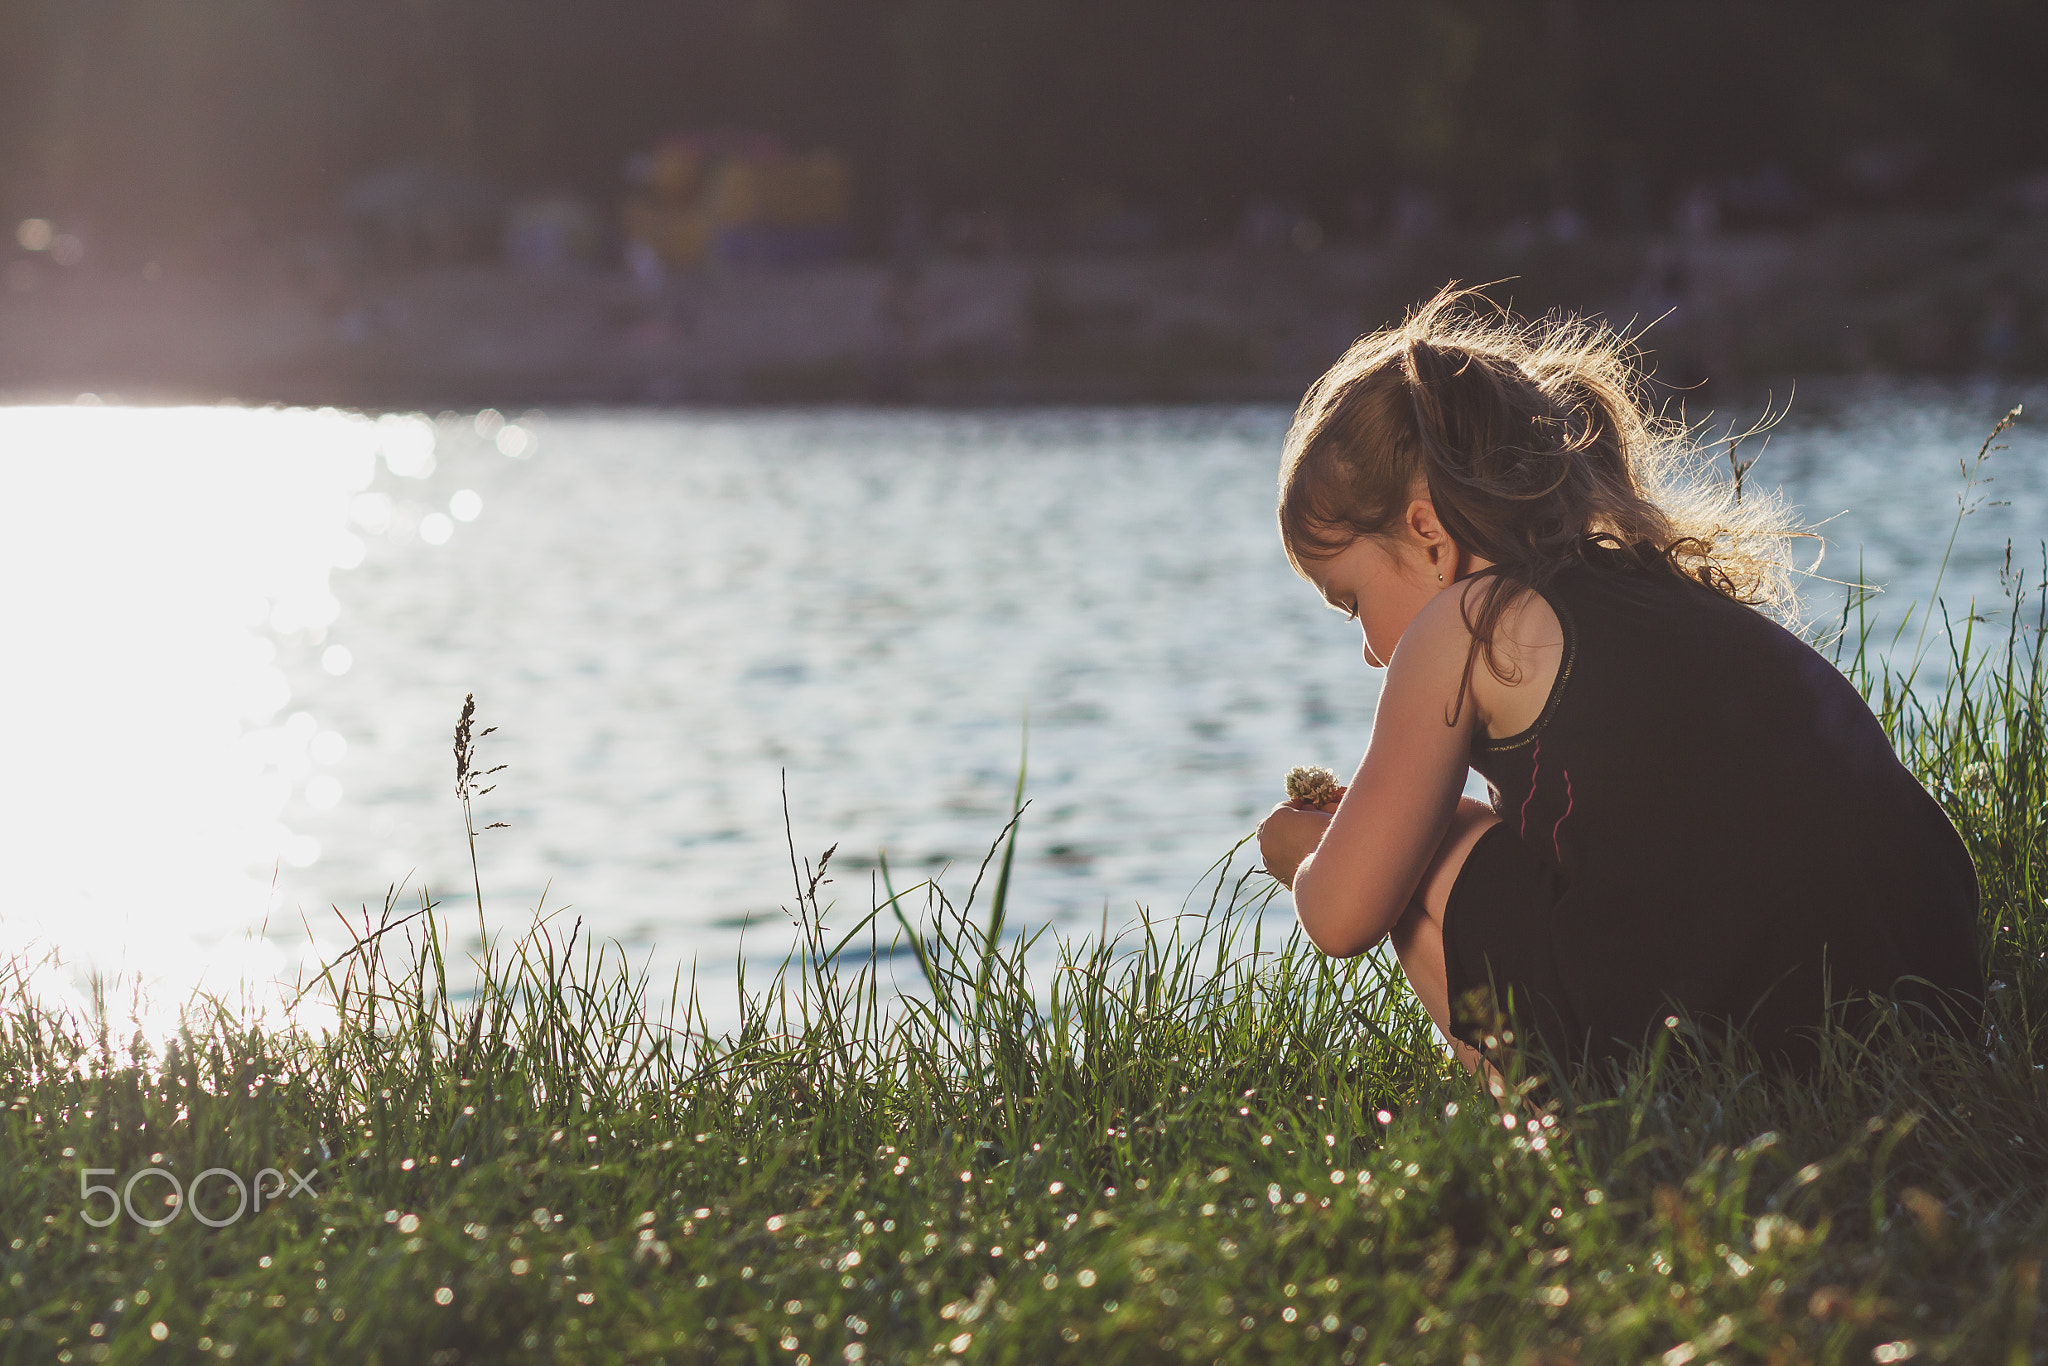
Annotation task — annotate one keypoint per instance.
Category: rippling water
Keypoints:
(238, 640)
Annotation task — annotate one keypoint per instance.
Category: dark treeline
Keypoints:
(159, 116)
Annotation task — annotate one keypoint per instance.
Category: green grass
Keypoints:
(1187, 1143)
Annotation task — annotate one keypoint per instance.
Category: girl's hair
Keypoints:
(1535, 441)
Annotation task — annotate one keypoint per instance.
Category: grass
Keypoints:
(1186, 1143)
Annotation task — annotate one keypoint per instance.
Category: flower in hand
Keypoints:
(1314, 786)
(1293, 829)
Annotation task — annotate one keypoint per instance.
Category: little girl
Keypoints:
(1690, 808)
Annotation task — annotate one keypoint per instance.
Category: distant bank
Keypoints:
(1898, 293)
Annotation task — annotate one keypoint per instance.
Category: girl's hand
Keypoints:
(1289, 834)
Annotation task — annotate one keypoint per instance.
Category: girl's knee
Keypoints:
(1472, 820)
(1417, 929)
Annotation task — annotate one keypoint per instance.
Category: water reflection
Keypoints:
(169, 572)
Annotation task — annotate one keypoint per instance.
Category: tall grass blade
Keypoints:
(999, 901)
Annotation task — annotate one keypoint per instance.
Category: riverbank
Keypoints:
(1186, 1145)
(1899, 293)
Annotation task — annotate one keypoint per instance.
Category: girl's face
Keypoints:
(1381, 583)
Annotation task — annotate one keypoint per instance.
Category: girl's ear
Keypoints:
(1432, 541)
(1423, 525)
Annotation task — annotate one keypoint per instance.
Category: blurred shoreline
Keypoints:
(1899, 293)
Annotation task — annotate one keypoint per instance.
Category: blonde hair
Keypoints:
(1535, 439)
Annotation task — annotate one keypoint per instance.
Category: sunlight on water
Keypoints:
(157, 563)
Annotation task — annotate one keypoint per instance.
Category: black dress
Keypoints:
(1706, 815)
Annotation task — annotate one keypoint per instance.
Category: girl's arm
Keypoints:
(1388, 829)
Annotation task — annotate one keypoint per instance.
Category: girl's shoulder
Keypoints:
(1510, 677)
(1515, 677)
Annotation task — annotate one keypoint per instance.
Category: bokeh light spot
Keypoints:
(371, 512)
(407, 441)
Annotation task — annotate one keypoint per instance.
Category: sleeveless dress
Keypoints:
(1705, 817)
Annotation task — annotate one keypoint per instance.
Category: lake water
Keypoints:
(238, 641)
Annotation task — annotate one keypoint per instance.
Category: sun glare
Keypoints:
(155, 562)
